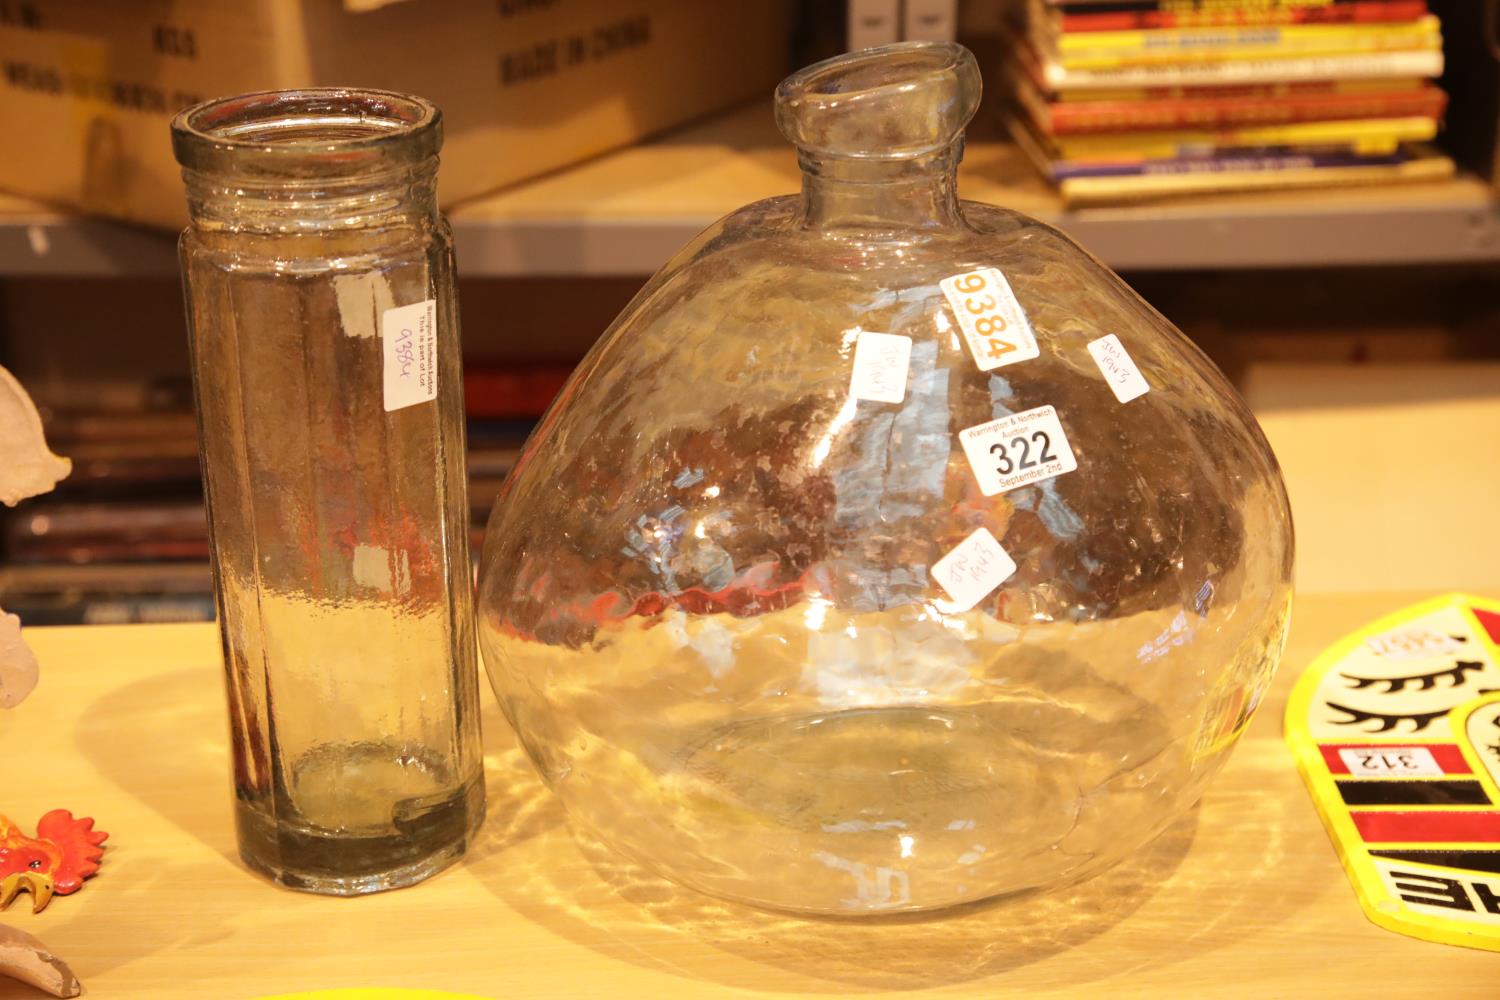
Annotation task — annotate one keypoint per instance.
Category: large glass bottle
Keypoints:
(324, 332)
(888, 552)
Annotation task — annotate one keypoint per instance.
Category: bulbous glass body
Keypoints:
(715, 602)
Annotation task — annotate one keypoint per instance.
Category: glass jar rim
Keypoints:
(890, 102)
(317, 129)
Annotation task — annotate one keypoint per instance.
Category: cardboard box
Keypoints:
(88, 87)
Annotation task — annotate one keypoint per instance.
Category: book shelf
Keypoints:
(625, 213)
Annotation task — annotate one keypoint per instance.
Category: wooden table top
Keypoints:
(1243, 898)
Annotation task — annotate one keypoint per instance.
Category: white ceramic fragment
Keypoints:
(27, 466)
(18, 669)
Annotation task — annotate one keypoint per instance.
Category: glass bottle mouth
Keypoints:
(893, 102)
(313, 132)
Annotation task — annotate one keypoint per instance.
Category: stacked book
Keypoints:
(503, 403)
(124, 538)
(1125, 100)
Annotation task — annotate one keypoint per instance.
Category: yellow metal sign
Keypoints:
(1396, 730)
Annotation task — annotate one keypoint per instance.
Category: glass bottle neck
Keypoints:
(876, 195)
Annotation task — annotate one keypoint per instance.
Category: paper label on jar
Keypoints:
(976, 566)
(993, 321)
(1119, 370)
(409, 338)
(880, 363)
(1017, 450)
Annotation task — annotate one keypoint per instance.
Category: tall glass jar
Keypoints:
(325, 342)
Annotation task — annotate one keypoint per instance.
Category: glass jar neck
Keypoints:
(317, 161)
(873, 196)
(404, 198)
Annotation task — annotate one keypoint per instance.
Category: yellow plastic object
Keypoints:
(1396, 730)
(374, 994)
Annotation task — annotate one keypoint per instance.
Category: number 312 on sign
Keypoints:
(993, 322)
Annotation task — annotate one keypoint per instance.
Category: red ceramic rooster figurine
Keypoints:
(64, 852)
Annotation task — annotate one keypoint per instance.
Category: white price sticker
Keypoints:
(1017, 450)
(1119, 370)
(993, 321)
(976, 566)
(1384, 761)
(409, 338)
(880, 363)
